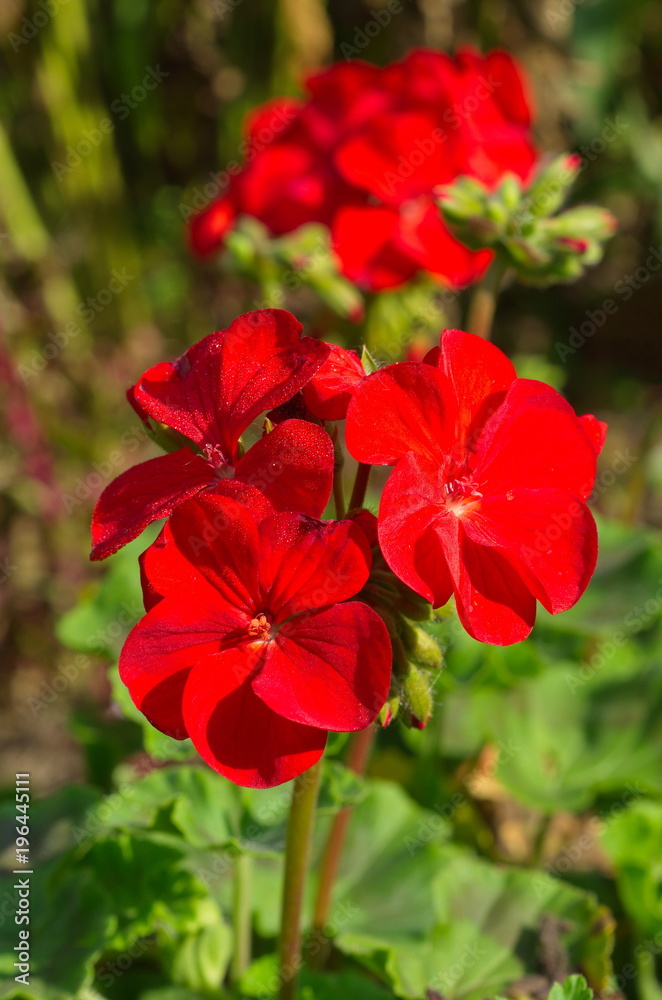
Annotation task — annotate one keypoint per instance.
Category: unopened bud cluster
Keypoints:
(416, 654)
(524, 225)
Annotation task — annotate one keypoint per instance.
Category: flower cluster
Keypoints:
(254, 643)
(364, 154)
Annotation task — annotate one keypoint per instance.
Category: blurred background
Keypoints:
(115, 115)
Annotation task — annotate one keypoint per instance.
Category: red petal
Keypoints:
(512, 93)
(425, 236)
(215, 390)
(307, 564)
(480, 374)
(534, 440)
(208, 229)
(330, 390)
(596, 431)
(163, 566)
(397, 156)
(330, 669)
(142, 495)
(292, 466)
(401, 408)
(493, 603)
(409, 514)
(219, 538)
(237, 734)
(366, 239)
(161, 649)
(550, 532)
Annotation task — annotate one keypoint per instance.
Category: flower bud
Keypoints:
(425, 650)
(389, 711)
(418, 697)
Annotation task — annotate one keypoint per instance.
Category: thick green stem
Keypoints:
(356, 761)
(483, 303)
(360, 486)
(241, 958)
(297, 857)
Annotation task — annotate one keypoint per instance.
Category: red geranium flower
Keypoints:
(329, 392)
(487, 498)
(364, 153)
(246, 647)
(210, 395)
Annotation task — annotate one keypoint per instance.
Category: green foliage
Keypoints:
(633, 840)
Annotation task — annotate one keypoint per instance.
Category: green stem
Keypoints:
(360, 486)
(357, 759)
(241, 958)
(483, 302)
(297, 856)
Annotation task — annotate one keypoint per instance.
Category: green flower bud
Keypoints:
(418, 697)
(425, 650)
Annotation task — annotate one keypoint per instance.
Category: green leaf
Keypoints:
(633, 840)
(484, 934)
(174, 993)
(574, 988)
(71, 920)
(261, 979)
(383, 871)
(202, 959)
(149, 888)
(52, 821)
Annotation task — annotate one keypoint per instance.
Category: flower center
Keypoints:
(216, 458)
(459, 493)
(260, 627)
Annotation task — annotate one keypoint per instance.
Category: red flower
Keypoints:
(487, 498)
(329, 392)
(210, 396)
(382, 247)
(247, 648)
(364, 153)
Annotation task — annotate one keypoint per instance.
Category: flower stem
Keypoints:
(241, 958)
(357, 759)
(483, 303)
(360, 486)
(338, 490)
(297, 856)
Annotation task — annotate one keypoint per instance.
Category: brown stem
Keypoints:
(483, 303)
(360, 486)
(357, 759)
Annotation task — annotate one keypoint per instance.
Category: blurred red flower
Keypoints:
(487, 497)
(209, 396)
(364, 153)
(250, 646)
